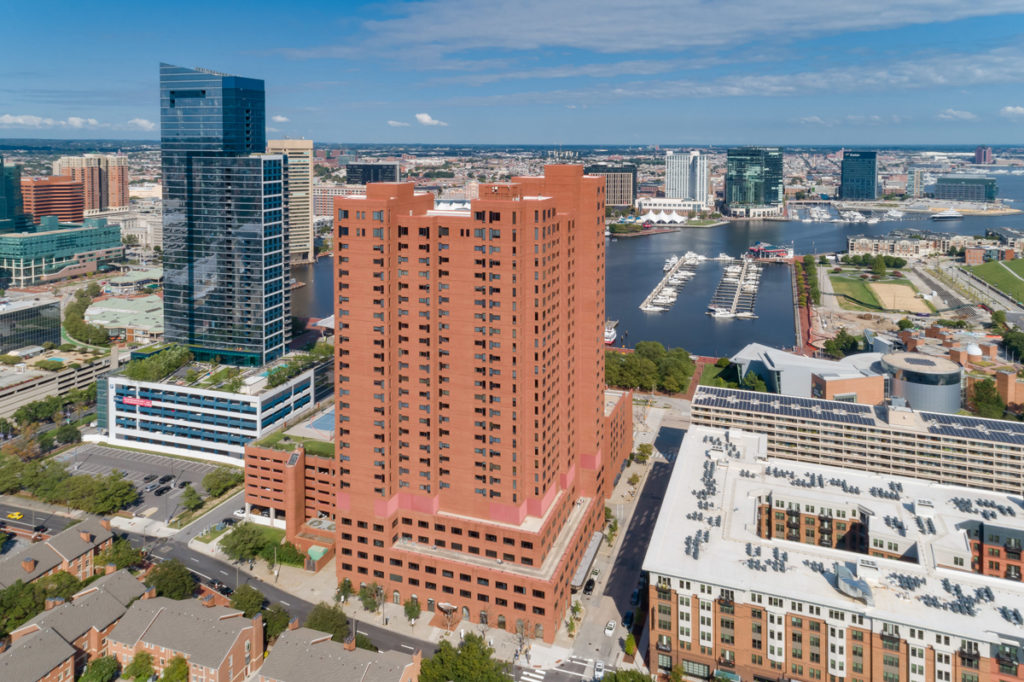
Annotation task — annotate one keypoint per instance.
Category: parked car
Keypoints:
(588, 589)
(151, 487)
(599, 670)
(634, 599)
(162, 490)
(148, 477)
(182, 484)
(165, 478)
(240, 512)
(627, 620)
(609, 629)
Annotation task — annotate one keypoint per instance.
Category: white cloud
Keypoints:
(27, 121)
(76, 122)
(278, 118)
(1012, 112)
(398, 124)
(428, 120)
(141, 124)
(956, 115)
(458, 25)
(814, 120)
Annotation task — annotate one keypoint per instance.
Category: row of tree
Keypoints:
(51, 409)
(246, 541)
(74, 318)
(299, 363)
(160, 364)
(649, 367)
(49, 481)
(866, 260)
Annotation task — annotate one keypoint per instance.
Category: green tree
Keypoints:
(412, 609)
(904, 324)
(999, 318)
(987, 401)
(878, 266)
(221, 479)
(244, 542)
(46, 441)
(121, 554)
(190, 499)
(753, 382)
(634, 479)
(644, 452)
(141, 667)
(369, 597)
(472, 661)
(677, 673)
(172, 580)
(823, 259)
(630, 645)
(176, 670)
(103, 669)
(842, 344)
(248, 600)
(329, 619)
(19, 602)
(344, 591)
(68, 433)
(275, 621)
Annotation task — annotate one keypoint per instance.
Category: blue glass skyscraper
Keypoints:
(859, 179)
(226, 269)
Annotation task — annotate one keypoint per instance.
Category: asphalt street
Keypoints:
(209, 568)
(32, 517)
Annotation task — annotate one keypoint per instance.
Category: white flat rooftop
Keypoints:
(711, 504)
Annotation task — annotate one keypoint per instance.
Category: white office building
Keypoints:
(686, 176)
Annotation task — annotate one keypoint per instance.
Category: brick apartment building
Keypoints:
(57, 195)
(220, 644)
(72, 550)
(767, 569)
(104, 179)
(83, 624)
(475, 441)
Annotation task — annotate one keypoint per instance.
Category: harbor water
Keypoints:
(635, 266)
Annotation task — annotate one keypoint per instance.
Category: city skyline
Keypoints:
(442, 72)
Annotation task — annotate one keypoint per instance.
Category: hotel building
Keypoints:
(762, 569)
(475, 442)
(619, 182)
(686, 177)
(104, 179)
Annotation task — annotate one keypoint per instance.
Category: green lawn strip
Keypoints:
(995, 274)
(187, 517)
(276, 441)
(213, 535)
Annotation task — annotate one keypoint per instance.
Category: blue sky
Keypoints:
(535, 71)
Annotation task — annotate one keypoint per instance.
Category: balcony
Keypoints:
(825, 541)
(890, 638)
(663, 646)
(726, 663)
(793, 512)
(793, 523)
(1012, 573)
(1012, 547)
(969, 658)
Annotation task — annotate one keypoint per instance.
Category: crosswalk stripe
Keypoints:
(533, 675)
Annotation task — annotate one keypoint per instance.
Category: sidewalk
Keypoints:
(141, 525)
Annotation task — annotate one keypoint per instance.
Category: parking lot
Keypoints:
(137, 466)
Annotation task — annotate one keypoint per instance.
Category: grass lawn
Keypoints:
(995, 274)
(711, 372)
(273, 536)
(187, 517)
(210, 537)
(855, 288)
(313, 446)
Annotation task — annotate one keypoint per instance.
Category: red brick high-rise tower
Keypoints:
(475, 447)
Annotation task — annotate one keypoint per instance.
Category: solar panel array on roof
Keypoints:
(973, 428)
(787, 405)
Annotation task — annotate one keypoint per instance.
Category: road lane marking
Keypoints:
(285, 603)
(223, 572)
(406, 646)
(192, 558)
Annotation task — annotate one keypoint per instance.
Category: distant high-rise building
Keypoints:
(56, 195)
(754, 181)
(104, 179)
(362, 173)
(966, 188)
(300, 196)
(226, 275)
(686, 176)
(12, 210)
(859, 180)
(983, 155)
(915, 182)
(620, 182)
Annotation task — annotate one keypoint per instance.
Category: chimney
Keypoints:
(28, 565)
(85, 535)
(149, 594)
(110, 568)
(52, 602)
(293, 624)
(350, 643)
(105, 523)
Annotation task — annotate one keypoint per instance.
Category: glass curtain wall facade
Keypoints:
(859, 179)
(12, 211)
(28, 325)
(753, 176)
(226, 286)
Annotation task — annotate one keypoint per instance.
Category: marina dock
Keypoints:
(736, 294)
(678, 271)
